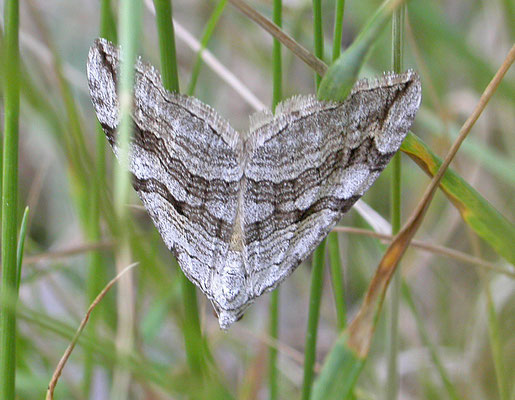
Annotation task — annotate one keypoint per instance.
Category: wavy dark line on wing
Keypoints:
(198, 215)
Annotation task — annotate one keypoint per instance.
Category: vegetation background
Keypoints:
(454, 308)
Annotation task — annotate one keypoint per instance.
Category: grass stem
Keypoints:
(337, 280)
(9, 281)
(333, 241)
(315, 297)
(192, 333)
(130, 20)
(317, 272)
(208, 32)
(96, 269)
(274, 297)
(166, 35)
(338, 28)
(318, 35)
(392, 381)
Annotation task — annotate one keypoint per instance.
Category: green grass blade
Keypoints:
(21, 246)
(11, 82)
(193, 341)
(341, 75)
(392, 379)
(96, 269)
(495, 342)
(208, 32)
(315, 296)
(318, 35)
(317, 272)
(166, 35)
(340, 372)
(130, 24)
(337, 280)
(277, 72)
(338, 28)
(509, 12)
(273, 331)
(475, 210)
(107, 22)
(274, 296)
(333, 245)
(129, 37)
(191, 326)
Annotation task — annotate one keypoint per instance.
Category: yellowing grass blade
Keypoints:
(475, 210)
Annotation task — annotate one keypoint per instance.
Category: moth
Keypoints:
(241, 211)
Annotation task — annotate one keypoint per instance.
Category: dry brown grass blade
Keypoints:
(362, 327)
(71, 346)
(313, 62)
(72, 251)
(435, 249)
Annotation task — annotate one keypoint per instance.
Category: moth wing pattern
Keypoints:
(184, 160)
(240, 213)
(311, 162)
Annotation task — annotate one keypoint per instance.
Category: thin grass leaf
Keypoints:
(208, 32)
(274, 296)
(332, 240)
(340, 372)
(21, 246)
(166, 35)
(337, 280)
(194, 344)
(475, 210)
(317, 272)
(338, 28)
(392, 377)
(9, 210)
(315, 296)
(313, 62)
(509, 12)
(130, 24)
(96, 269)
(341, 75)
(107, 22)
(318, 35)
(495, 341)
(273, 331)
